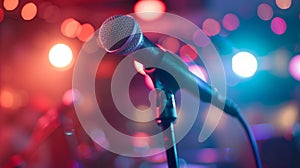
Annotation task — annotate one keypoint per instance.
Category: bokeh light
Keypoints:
(211, 27)
(10, 4)
(208, 155)
(1, 15)
(278, 25)
(86, 31)
(287, 116)
(6, 98)
(294, 67)
(264, 11)
(244, 64)
(188, 53)
(60, 56)
(149, 9)
(70, 27)
(230, 22)
(29, 11)
(11, 98)
(70, 96)
(141, 141)
(200, 38)
(283, 4)
(171, 44)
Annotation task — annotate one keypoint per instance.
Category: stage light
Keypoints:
(211, 27)
(155, 9)
(10, 4)
(230, 22)
(294, 67)
(70, 27)
(86, 31)
(29, 11)
(265, 11)
(278, 25)
(244, 64)
(60, 56)
(283, 4)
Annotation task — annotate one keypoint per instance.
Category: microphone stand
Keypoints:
(165, 102)
(165, 117)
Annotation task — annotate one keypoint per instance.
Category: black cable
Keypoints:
(251, 139)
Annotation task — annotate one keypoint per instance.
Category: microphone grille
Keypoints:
(120, 34)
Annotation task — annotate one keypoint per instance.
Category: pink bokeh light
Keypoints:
(294, 67)
(230, 22)
(211, 27)
(278, 25)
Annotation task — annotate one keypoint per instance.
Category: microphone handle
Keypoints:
(153, 55)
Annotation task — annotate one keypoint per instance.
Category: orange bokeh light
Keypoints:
(87, 30)
(10, 4)
(29, 11)
(6, 98)
(70, 27)
(149, 9)
(284, 4)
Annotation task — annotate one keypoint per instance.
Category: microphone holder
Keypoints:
(165, 116)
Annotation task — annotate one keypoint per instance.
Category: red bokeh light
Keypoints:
(188, 53)
(87, 30)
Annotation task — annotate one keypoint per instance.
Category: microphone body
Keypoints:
(133, 40)
(175, 65)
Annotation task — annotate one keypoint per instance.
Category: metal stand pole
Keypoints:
(165, 117)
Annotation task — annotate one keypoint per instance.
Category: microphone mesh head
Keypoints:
(120, 35)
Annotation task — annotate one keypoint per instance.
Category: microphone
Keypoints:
(122, 35)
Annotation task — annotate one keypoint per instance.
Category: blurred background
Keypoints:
(259, 44)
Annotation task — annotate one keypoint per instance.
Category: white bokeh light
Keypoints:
(244, 64)
(60, 56)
